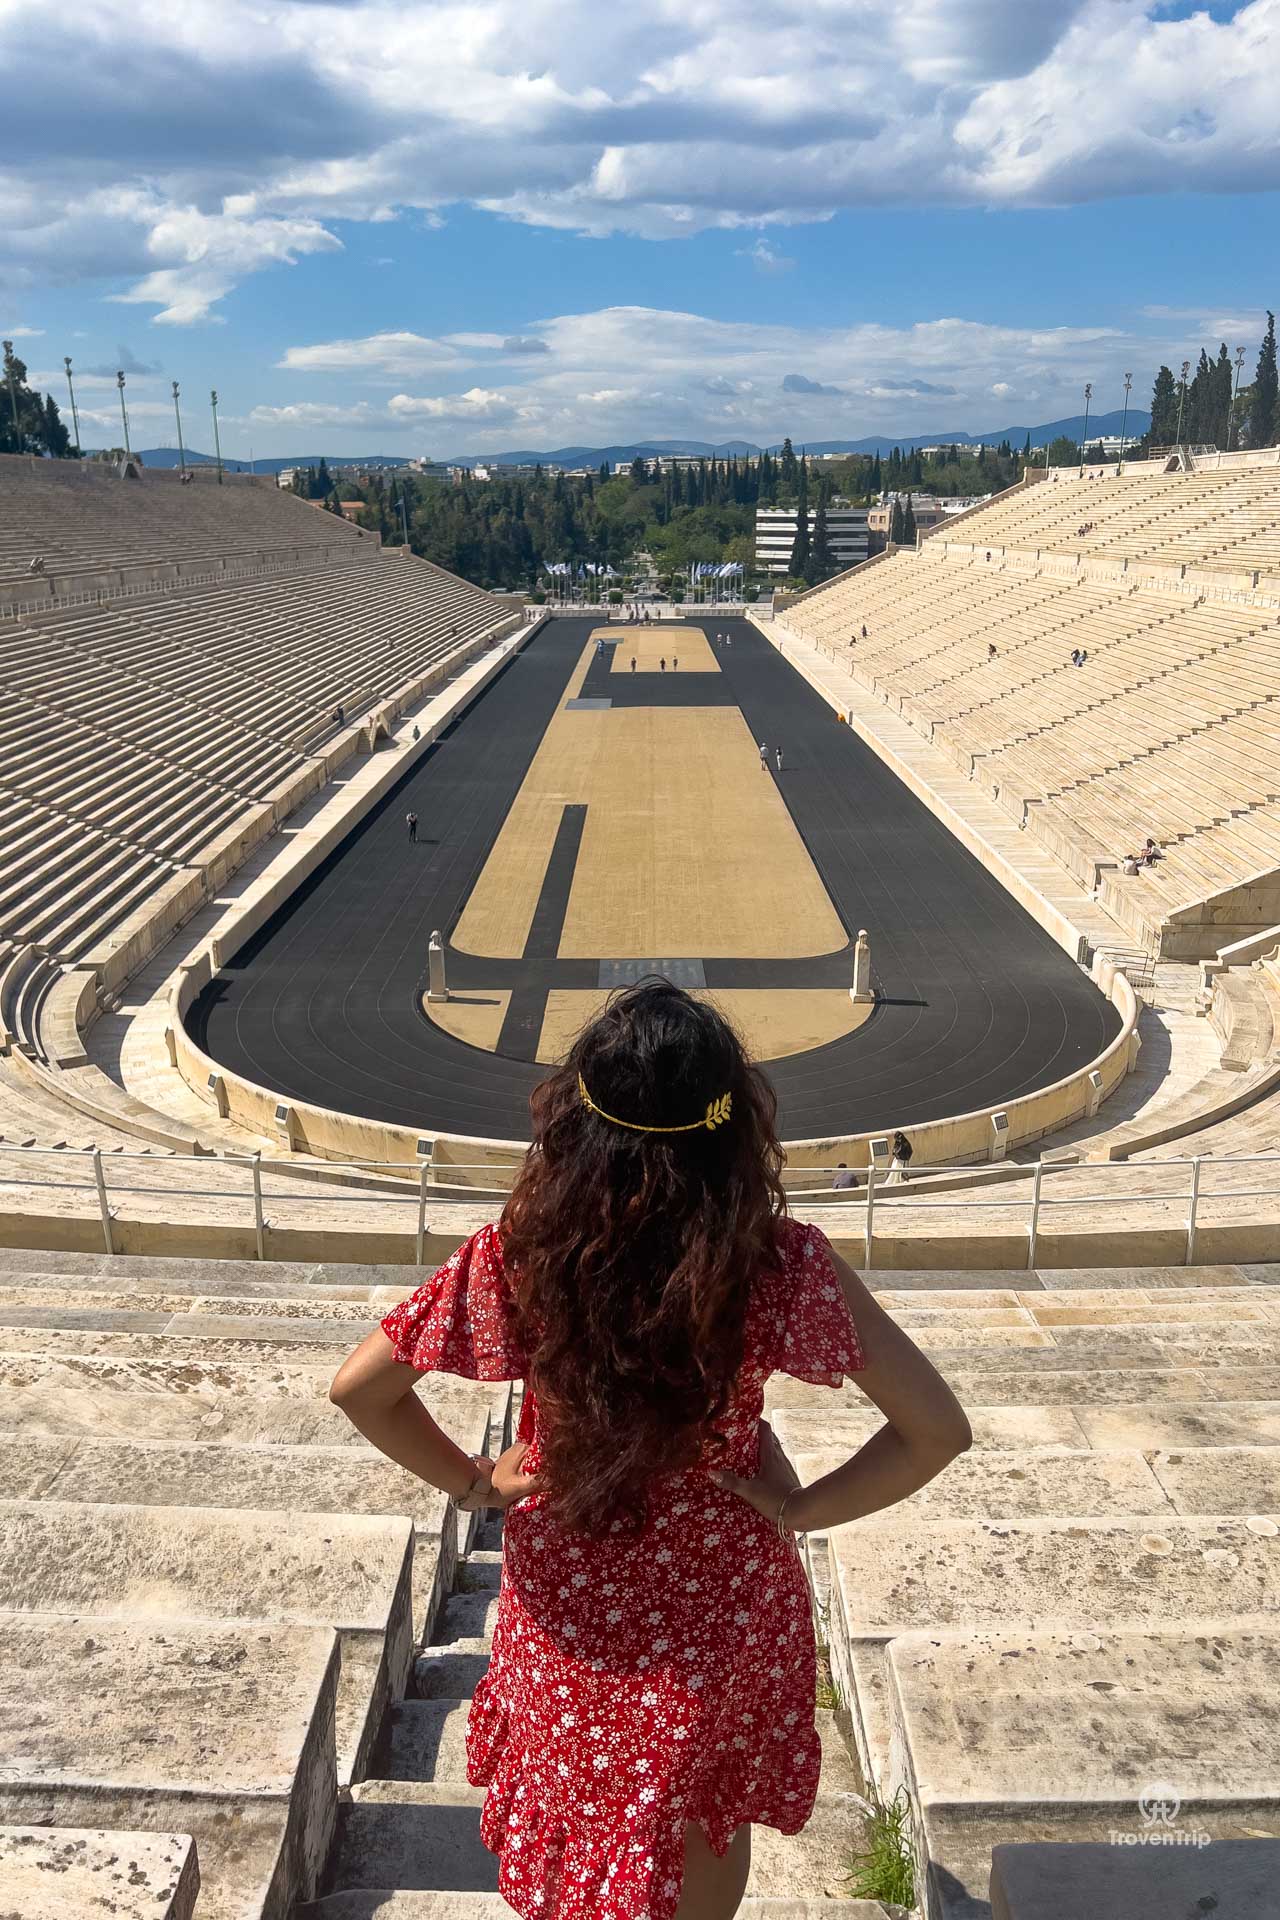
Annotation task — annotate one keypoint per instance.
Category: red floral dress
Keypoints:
(641, 1681)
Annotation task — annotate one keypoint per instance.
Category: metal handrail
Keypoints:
(418, 1182)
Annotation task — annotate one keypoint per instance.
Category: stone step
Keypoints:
(467, 1616)
(290, 1569)
(450, 1672)
(995, 1429)
(1010, 1486)
(1068, 1386)
(1037, 1880)
(75, 1873)
(390, 1835)
(261, 1478)
(1152, 1427)
(473, 1414)
(393, 1903)
(223, 1731)
(899, 1573)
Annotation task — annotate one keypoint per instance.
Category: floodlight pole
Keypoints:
(1182, 397)
(71, 389)
(1235, 395)
(217, 444)
(177, 414)
(1084, 439)
(1128, 386)
(124, 413)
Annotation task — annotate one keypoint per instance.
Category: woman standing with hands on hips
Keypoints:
(651, 1691)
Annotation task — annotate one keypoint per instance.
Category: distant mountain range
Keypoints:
(1100, 424)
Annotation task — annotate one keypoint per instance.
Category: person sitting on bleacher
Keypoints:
(37, 563)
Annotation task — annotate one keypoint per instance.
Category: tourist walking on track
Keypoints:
(652, 1685)
(777, 755)
(411, 822)
(764, 757)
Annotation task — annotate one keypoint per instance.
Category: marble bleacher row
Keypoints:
(1223, 519)
(135, 733)
(81, 519)
(189, 1533)
(1172, 728)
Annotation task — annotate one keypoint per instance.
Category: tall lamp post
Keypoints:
(124, 414)
(217, 444)
(177, 414)
(1084, 439)
(11, 382)
(1235, 395)
(71, 389)
(1124, 420)
(1182, 397)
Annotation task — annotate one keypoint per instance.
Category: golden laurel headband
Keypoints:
(715, 1116)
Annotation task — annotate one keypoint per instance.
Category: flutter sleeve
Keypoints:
(462, 1319)
(819, 1341)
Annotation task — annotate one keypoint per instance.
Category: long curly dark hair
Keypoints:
(633, 1254)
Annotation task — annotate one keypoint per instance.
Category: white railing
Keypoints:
(1185, 1183)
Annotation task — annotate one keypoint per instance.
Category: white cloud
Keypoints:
(393, 354)
(22, 333)
(630, 372)
(765, 257)
(177, 150)
(477, 403)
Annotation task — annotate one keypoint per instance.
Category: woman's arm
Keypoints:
(376, 1392)
(925, 1428)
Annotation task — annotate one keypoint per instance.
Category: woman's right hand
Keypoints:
(774, 1478)
(510, 1482)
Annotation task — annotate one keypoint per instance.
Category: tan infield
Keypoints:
(474, 1015)
(773, 1022)
(651, 645)
(688, 849)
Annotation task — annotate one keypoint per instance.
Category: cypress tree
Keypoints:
(895, 524)
(909, 524)
(1164, 410)
(1264, 425)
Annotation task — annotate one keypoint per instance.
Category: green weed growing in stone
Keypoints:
(883, 1869)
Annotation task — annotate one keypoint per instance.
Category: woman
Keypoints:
(651, 1690)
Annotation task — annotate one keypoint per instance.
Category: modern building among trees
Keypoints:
(777, 529)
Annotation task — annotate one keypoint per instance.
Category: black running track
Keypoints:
(977, 1006)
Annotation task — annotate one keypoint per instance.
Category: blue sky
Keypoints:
(447, 229)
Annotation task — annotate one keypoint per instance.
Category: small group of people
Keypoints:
(764, 757)
(662, 663)
(1079, 655)
(636, 612)
(724, 639)
(1150, 852)
(1081, 531)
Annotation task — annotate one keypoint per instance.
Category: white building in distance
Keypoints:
(776, 535)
